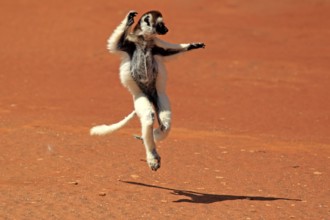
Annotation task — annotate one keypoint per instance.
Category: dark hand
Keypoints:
(196, 46)
(130, 17)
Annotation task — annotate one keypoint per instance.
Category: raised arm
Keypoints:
(163, 48)
(118, 40)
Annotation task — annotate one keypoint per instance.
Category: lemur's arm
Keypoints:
(118, 40)
(167, 49)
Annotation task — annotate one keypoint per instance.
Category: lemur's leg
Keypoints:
(164, 117)
(116, 40)
(164, 107)
(144, 109)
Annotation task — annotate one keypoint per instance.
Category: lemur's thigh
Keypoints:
(144, 109)
(164, 116)
(127, 79)
(146, 113)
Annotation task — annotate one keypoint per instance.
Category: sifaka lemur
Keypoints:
(143, 73)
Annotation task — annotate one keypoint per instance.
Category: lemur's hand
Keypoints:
(130, 17)
(196, 46)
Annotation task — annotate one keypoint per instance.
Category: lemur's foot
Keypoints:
(130, 17)
(196, 46)
(153, 160)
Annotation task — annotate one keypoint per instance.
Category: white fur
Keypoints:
(167, 45)
(107, 129)
(114, 38)
(146, 29)
(160, 19)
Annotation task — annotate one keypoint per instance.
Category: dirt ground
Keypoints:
(251, 127)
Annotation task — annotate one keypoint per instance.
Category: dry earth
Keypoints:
(251, 126)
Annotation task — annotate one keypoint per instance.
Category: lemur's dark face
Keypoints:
(152, 23)
(161, 28)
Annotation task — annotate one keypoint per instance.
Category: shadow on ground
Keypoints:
(197, 197)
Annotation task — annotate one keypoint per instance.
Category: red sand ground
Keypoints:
(251, 127)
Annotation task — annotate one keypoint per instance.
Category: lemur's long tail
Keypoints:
(107, 129)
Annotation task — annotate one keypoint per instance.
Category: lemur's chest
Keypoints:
(144, 66)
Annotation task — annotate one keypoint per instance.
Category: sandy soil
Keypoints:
(251, 129)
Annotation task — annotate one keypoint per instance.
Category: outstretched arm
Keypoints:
(167, 49)
(118, 40)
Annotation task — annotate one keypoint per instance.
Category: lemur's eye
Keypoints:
(146, 20)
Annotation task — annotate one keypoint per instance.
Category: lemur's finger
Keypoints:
(196, 46)
(130, 17)
(200, 45)
(132, 13)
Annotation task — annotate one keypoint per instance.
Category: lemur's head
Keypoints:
(150, 24)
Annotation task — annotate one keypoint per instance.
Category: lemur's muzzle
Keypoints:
(161, 29)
